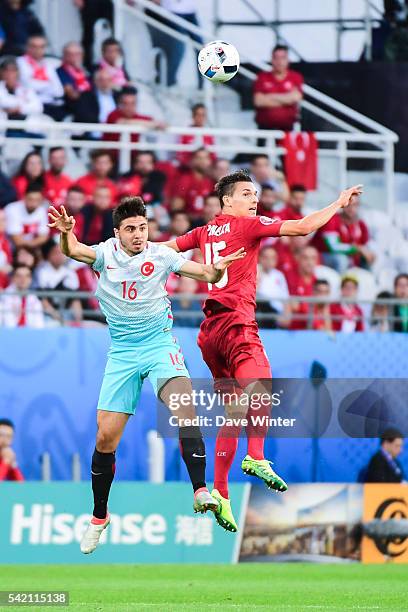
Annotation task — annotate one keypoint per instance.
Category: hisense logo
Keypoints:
(41, 525)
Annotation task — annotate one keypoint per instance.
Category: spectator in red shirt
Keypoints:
(74, 203)
(8, 462)
(56, 183)
(126, 114)
(321, 319)
(277, 94)
(301, 283)
(343, 240)
(263, 173)
(288, 249)
(144, 179)
(199, 120)
(347, 317)
(190, 188)
(97, 217)
(31, 171)
(294, 206)
(101, 167)
(267, 202)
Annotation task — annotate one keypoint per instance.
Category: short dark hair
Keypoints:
(151, 153)
(47, 247)
(399, 276)
(259, 156)
(131, 206)
(76, 189)
(34, 187)
(280, 47)
(21, 265)
(53, 149)
(390, 434)
(8, 61)
(127, 91)
(226, 185)
(267, 187)
(197, 107)
(384, 295)
(7, 422)
(96, 153)
(108, 42)
(321, 281)
(298, 187)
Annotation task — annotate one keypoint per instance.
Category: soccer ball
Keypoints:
(218, 61)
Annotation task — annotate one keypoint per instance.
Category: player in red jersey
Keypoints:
(228, 338)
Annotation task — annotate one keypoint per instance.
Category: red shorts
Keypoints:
(232, 349)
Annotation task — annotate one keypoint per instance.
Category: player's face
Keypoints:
(132, 234)
(243, 202)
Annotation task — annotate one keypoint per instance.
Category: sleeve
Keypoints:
(259, 84)
(15, 474)
(255, 228)
(13, 222)
(100, 257)
(173, 261)
(189, 241)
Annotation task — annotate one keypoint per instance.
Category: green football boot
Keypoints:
(261, 468)
(223, 514)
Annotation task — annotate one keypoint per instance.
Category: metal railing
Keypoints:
(192, 316)
(229, 142)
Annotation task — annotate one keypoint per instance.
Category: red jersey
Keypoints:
(289, 213)
(300, 160)
(199, 141)
(20, 184)
(287, 262)
(344, 233)
(9, 473)
(281, 117)
(130, 185)
(349, 317)
(192, 188)
(222, 236)
(89, 182)
(298, 285)
(114, 117)
(56, 187)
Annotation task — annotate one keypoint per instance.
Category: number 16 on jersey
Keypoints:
(212, 255)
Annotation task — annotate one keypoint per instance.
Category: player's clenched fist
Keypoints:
(347, 194)
(60, 220)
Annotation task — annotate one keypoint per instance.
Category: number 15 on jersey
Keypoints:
(212, 255)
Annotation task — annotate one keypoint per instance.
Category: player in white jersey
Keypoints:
(132, 274)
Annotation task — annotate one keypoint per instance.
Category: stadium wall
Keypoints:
(49, 384)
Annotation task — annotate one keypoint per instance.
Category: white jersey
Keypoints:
(132, 290)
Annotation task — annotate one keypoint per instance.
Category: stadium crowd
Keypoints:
(179, 194)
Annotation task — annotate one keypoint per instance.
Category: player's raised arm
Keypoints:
(317, 219)
(172, 244)
(210, 273)
(69, 243)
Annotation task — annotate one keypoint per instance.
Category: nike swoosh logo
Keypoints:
(199, 456)
(96, 473)
(110, 268)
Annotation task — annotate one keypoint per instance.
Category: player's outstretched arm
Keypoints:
(317, 219)
(172, 244)
(210, 273)
(70, 246)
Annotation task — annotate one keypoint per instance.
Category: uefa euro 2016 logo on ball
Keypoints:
(218, 61)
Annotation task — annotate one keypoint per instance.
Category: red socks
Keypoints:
(225, 449)
(256, 433)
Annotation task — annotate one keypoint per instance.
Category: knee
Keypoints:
(105, 442)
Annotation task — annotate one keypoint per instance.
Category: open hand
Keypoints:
(346, 195)
(224, 262)
(60, 220)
